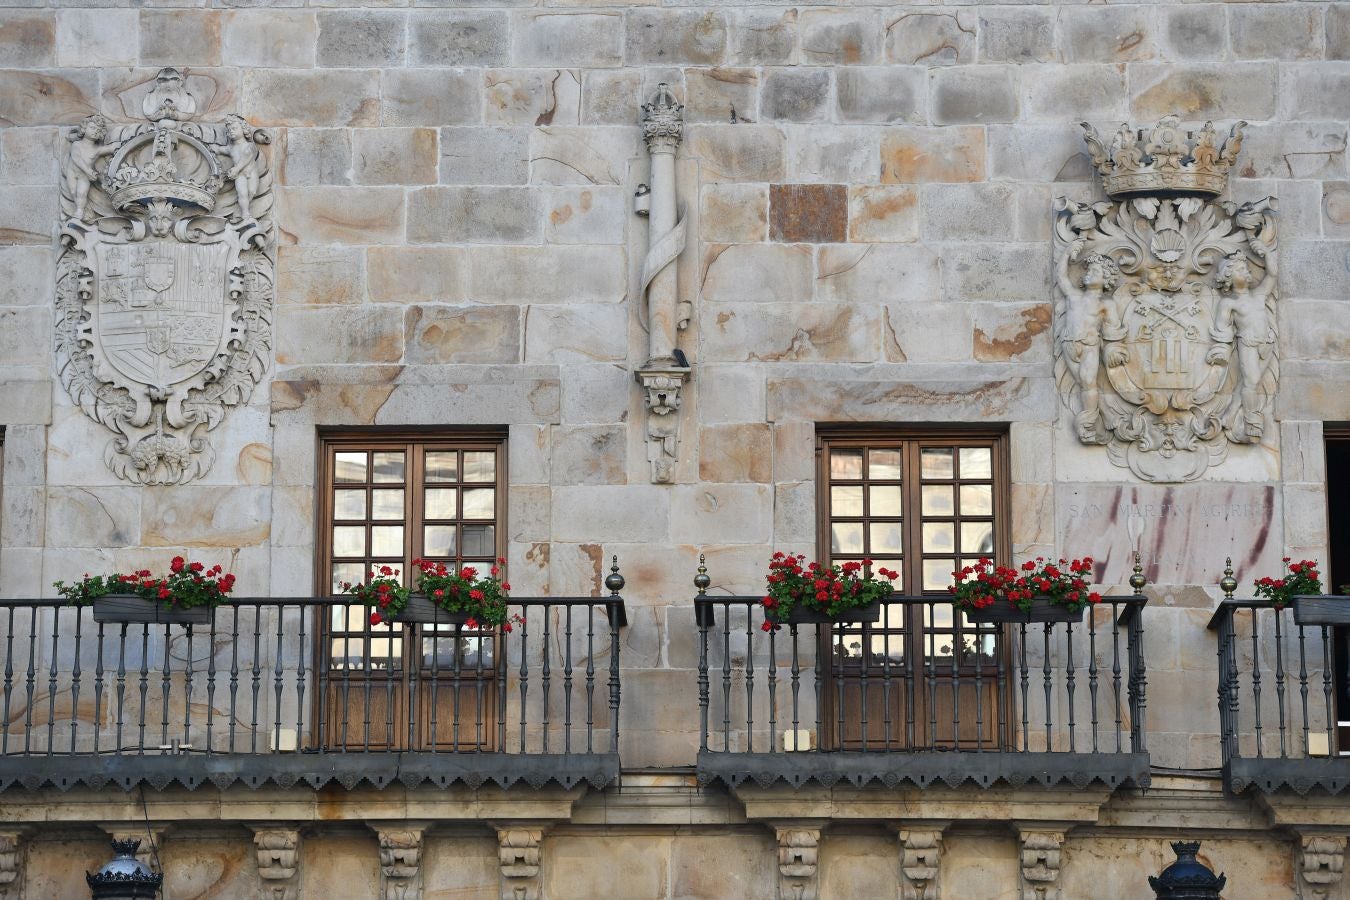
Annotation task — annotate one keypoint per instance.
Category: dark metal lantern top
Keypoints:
(124, 877)
(1187, 878)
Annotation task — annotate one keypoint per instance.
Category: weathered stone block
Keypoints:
(808, 213)
(763, 37)
(555, 38)
(18, 327)
(106, 517)
(1315, 270)
(585, 215)
(846, 37)
(1336, 209)
(738, 213)
(833, 153)
(918, 155)
(532, 97)
(589, 454)
(931, 37)
(882, 94)
(1113, 34)
(25, 276)
(458, 38)
(565, 155)
(708, 513)
(595, 393)
(1338, 32)
(1264, 32)
(201, 516)
(721, 95)
(1200, 91)
(271, 37)
(431, 97)
(879, 396)
(630, 512)
(484, 156)
(343, 215)
(757, 273)
(979, 95)
(791, 332)
(996, 271)
(320, 275)
(27, 214)
(1329, 339)
(41, 98)
(309, 98)
(1193, 33)
(27, 38)
(30, 155)
(611, 97)
(1044, 153)
(1314, 90)
(465, 335)
(575, 333)
(1023, 34)
(909, 327)
(732, 453)
(340, 334)
(547, 275)
(882, 213)
(1074, 93)
(474, 215)
(795, 95)
(407, 274)
(180, 37)
(394, 156)
(1293, 150)
(1012, 333)
(362, 37)
(737, 153)
(877, 273)
(97, 37)
(675, 36)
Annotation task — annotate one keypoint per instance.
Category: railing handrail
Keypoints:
(1230, 605)
(1129, 600)
(329, 600)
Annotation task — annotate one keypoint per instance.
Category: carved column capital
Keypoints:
(520, 857)
(278, 850)
(662, 121)
(797, 860)
(400, 860)
(1321, 861)
(1040, 863)
(920, 862)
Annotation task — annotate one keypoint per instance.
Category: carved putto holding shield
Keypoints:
(1165, 298)
(164, 284)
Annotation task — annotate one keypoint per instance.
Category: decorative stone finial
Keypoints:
(701, 580)
(662, 121)
(614, 581)
(1228, 583)
(1137, 580)
(1170, 159)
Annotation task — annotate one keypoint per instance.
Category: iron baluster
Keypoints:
(1279, 680)
(1303, 684)
(1069, 683)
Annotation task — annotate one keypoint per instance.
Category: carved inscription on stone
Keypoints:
(164, 283)
(1165, 319)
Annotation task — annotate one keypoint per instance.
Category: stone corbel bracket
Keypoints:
(661, 388)
(920, 862)
(278, 850)
(520, 856)
(1321, 863)
(798, 869)
(1041, 858)
(11, 862)
(400, 860)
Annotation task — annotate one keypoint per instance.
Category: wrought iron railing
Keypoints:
(922, 695)
(262, 692)
(1278, 703)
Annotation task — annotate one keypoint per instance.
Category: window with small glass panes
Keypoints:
(923, 504)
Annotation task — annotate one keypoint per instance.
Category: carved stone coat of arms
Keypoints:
(1165, 344)
(164, 283)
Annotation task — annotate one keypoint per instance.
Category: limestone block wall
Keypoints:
(868, 193)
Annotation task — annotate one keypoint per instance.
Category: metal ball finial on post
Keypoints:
(1228, 583)
(701, 580)
(1137, 579)
(614, 582)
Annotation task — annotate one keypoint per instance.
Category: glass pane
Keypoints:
(350, 467)
(339, 657)
(480, 540)
(848, 646)
(846, 464)
(351, 573)
(846, 537)
(937, 574)
(935, 462)
(883, 465)
(479, 503)
(977, 499)
(977, 462)
(940, 646)
(386, 540)
(846, 500)
(349, 540)
(480, 466)
(386, 652)
(892, 616)
(938, 616)
(885, 499)
(937, 500)
(977, 649)
(386, 504)
(349, 504)
(440, 503)
(885, 537)
(477, 651)
(389, 466)
(442, 465)
(438, 540)
(353, 618)
(939, 537)
(977, 537)
(888, 647)
(444, 648)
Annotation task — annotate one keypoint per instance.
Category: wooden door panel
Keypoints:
(879, 697)
(360, 719)
(473, 704)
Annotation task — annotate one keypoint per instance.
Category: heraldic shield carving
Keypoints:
(164, 283)
(1165, 300)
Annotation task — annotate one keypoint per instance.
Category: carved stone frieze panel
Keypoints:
(164, 282)
(1165, 319)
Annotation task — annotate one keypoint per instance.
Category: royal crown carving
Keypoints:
(1165, 319)
(1165, 159)
(164, 283)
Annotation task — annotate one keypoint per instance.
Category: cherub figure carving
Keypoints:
(245, 168)
(86, 149)
(1091, 317)
(1242, 320)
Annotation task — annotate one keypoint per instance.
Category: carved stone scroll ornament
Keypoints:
(1041, 852)
(519, 856)
(664, 374)
(1321, 864)
(401, 863)
(797, 863)
(278, 851)
(920, 863)
(1165, 320)
(11, 860)
(164, 282)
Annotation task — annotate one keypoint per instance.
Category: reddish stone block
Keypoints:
(808, 213)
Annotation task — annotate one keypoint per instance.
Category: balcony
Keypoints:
(922, 697)
(1278, 703)
(267, 693)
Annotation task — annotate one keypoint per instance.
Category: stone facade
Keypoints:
(866, 200)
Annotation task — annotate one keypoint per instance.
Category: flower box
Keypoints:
(799, 616)
(132, 609)
(1321, 609)
(422, 611)
(1042, 610)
